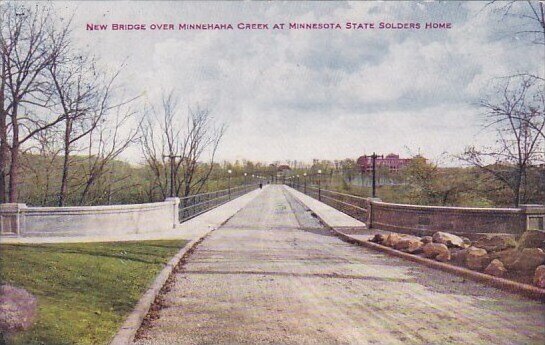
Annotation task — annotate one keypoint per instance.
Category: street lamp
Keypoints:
(374, 157)
(172, 158)
(319, 185)
(245, 174)
(229, 182)
(305, 177)
(362, 170)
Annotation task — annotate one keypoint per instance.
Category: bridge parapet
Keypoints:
(467, 221)
(20, 220)
(425, 220)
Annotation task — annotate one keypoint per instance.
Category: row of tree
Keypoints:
(65, 122)
(55, 100)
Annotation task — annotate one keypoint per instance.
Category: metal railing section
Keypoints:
(353, 205)
(194, 205)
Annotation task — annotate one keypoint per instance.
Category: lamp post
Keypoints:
(374, 157)
(229, 172)
(245, 175)
(362, 170)
(305, 178)
(172, 158)
(319, 185)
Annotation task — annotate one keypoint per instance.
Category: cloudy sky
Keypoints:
(328, 94)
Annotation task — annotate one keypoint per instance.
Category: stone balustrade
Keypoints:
(20, 220)
(467, 221)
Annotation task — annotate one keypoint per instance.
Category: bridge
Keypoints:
(273, 273)
(265, 267)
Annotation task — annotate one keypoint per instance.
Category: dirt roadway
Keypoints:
(271, 275)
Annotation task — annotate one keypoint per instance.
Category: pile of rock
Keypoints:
(494, 254)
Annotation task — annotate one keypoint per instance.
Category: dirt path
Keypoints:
(272, 275)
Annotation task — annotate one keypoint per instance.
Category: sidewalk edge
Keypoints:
(126, 333)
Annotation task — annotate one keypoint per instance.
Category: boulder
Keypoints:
(539, 276)
(427, 239)
(406, 241)
(18, 309)
(495, 268)
(467, 241)
(447, 239)
(443, 256)
(432, 250)
(378, 238)
(477, 258)
(415, 247)
(529, 259)
(508, 257)
(458, 255)
(391, 240)
(532, 239)
(496, 242)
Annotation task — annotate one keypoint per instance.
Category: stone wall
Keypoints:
(22, 221)
(424, 220)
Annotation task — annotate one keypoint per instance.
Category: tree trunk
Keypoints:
(65, 162)
(517, 188)
(14, 166)
(3, 140)
(64, 179)
(3, 149)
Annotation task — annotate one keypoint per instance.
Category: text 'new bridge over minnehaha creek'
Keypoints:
(274, 274)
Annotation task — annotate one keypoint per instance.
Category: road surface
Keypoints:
(273, 275)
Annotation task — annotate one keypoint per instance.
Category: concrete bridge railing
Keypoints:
(20, 220)
(425, 220)
(467, 221)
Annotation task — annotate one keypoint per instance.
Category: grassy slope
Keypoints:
(84, 290)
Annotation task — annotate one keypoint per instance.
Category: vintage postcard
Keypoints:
(258, 172)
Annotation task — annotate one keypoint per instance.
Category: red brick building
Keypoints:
(283, 167)
(392, 162)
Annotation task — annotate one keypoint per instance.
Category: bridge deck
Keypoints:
(272, 274)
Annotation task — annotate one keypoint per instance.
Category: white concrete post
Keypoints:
(12, 219)
(175, 211)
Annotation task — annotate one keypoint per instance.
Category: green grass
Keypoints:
(84, 290)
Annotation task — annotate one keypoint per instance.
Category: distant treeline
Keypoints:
(421, 182)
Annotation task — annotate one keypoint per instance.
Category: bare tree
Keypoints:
(40, 165)
(107, 141)
(519, 102)
(201, 137)
(31, 40)
(160, 141)
(192, 141)
(83, 94)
